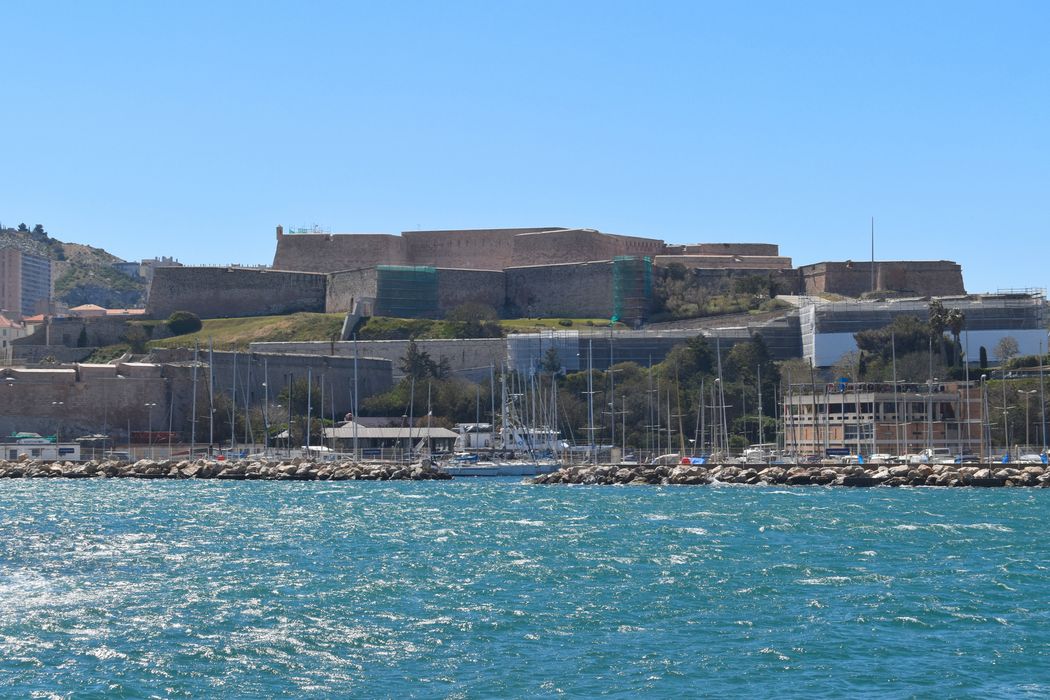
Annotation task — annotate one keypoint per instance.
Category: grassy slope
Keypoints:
(237, 333)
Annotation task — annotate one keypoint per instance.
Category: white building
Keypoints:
(828, 327)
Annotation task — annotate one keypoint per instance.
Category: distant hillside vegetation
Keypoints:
(83, 274)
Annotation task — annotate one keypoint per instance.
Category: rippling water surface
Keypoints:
(491, 588)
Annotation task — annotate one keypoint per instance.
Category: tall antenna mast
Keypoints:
(873, 254)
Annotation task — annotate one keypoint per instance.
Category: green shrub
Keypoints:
(565, 322)
(183, 322)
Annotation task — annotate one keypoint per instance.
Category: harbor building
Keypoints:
(863, 418)
(828, 327)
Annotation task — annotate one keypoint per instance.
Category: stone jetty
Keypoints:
(1031, 475)
(270, 470)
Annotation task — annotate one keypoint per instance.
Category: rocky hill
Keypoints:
(83, 274)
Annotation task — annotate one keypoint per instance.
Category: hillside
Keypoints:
(83, 274)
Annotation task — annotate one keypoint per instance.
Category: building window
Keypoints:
(851, 432)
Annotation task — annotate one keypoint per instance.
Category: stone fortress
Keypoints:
(542, 271)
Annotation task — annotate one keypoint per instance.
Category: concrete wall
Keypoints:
(215, 292)
(922, 278)
(320, 252)
(573, 290)
(468, 358)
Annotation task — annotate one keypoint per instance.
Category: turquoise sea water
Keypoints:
(492, 588)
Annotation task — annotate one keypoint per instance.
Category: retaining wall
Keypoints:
(469, 358)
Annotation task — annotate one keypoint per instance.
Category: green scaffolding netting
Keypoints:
(632, 287)
(406, 291)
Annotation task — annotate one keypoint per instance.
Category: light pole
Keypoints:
(149, 426)
(57, 430)
(1042, 395)
(984, 404)
(1027, 396)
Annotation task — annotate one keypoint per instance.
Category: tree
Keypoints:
(82, 339)
(938, 321)
(22, 228)
(418, 363)
(183, 322)
(551, 362)
(137, 338)
(984, 357)
(905, 335)
(1006, 348)
(39, 232)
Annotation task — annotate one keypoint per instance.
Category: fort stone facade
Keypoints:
(534, 271)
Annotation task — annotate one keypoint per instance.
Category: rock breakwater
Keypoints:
(950, 475)
(268, 470)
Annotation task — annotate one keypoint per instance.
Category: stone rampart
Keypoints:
(760, 249)
(215, 292)
(756, 263)
(98, 331)
(322, 252)
(468, 358)
(853, 279)
(69, 404)
(458, 287)
(485, 249)
(575, 290)
(578, 245)
(347, 287)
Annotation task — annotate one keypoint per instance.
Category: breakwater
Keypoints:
(952, 475)
(295, 469)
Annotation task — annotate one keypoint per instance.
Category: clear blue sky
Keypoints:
(192, 129)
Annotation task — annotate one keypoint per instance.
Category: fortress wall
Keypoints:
(578, 245)
(922, 278)
(762, 263)
(457, 287)
(78, 405)
(573, 290)
(320, 252)
(100, 331)
(765, 249)
(469, 358)
(215, 292)
(484, 249)
(348, 286)
(717, 279)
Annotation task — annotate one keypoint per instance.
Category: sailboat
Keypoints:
(518, 450)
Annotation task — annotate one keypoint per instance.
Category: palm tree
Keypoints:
(938, 322)
(956, 319)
